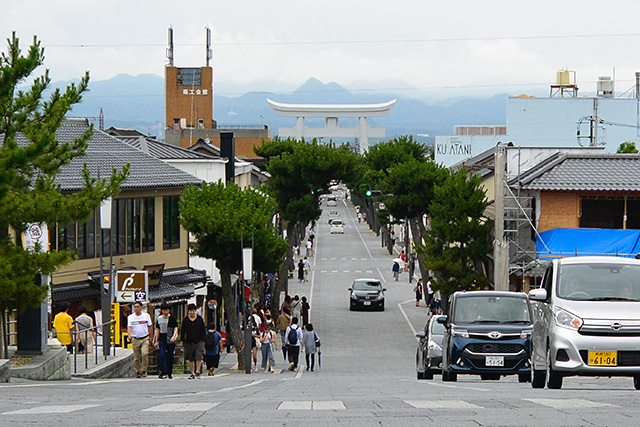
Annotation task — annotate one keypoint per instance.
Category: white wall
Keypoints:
(451, 149)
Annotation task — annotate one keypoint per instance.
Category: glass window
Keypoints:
(599, 282)
(87, 238)
(148, 224)
(491, 309)
(118, 229)
(67, 237)
(171, 223)
(602, 213)
(189, 77)
(133, 225)
(367, 286)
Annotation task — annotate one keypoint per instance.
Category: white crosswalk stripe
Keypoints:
(441, 404)
(570, 403)
(62, 409)
(183, 407)
(294, 405)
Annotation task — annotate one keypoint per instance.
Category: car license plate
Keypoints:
(603, 358)
(494, 361)
(367, 303)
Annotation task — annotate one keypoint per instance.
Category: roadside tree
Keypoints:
(220, 217)
(460, 237)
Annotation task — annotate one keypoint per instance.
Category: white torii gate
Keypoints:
(331, 114)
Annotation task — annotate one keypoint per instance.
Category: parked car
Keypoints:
(337, 226)
(366, 293)
(429, 352)
(587, 320)
(487, 333)
(332, 201)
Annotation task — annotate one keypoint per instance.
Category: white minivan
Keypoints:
(586, 320)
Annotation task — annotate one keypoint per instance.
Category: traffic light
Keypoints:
(368, 193)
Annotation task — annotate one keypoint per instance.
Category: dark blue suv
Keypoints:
(487, 333)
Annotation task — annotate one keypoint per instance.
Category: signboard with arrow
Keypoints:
(132, 285)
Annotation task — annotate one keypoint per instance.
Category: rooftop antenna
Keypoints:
(170, 49)
(209, 50)
(101, 119)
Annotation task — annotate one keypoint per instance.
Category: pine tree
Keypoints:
(30, 158)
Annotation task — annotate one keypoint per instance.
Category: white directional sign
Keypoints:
(132, 285)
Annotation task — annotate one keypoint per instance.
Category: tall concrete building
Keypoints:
(189, 108)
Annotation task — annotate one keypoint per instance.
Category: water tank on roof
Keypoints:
(563, 78)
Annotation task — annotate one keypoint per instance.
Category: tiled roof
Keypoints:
(104, 153)
(166, 292)
(77, 291)
(158, 149)
(585, 172)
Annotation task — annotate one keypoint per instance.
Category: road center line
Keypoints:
(358, 231)
(407, 317)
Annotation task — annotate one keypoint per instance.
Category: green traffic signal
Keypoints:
(368, 193)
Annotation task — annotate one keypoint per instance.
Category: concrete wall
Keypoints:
(53, 365)
(4, 370)
(122, 366)
(187, 102)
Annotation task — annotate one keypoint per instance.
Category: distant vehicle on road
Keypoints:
(333, 215)
(337, 226)
(366, 293)
(429, 352)
(332, 201)
(587, 320)
(487, 333)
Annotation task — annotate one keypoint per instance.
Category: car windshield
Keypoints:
(599, 282)
(491, 309)
(336, 222)
(367, 286)
(437, 328)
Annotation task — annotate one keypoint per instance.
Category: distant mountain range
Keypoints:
(138, 102)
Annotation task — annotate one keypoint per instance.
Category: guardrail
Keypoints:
(95, 332)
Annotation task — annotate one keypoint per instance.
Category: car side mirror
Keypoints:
(384, 289)
(350, 289)
(420, 334)
(442, 320)
(538, 295)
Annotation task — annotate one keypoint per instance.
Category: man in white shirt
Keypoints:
(309, 248)
(140, 329)
(306, 266)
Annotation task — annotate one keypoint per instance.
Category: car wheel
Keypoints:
(538, 378)
(493, 377)
(554, 379)
(428, 375)
(449, 376)
(420, 375)
(524, 378)
(636, 382)
(351, 307)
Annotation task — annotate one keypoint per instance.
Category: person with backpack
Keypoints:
(294, 339)
(212, 348)
(269, 343)
(310, 344)
(283, 322)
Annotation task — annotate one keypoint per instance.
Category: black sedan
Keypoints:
(365, 294)
(429, 353)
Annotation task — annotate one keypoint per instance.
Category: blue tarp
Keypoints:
(564, 242)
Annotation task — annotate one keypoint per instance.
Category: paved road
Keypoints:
(367, 375)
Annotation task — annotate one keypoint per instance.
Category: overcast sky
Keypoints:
(454, 46)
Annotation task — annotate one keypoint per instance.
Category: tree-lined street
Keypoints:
(367, 375)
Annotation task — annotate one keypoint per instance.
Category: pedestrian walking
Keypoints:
(312, 234)
(396, 270)
(418, 291)
(268, 345)
(283, 322)
(429, 292)
(300, 270)
(63, 325)
(294, 340)
(86, 335)
(140, 329)
(165, 341)
(212, 348)
(306, 266)
(255, 341)
(310, 347)
(304, 311)
(296, 306)
(359, 216)
(309, 245)
(193, 335)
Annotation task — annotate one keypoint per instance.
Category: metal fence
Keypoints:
(83, 336)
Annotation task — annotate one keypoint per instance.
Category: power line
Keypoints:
(338, 42)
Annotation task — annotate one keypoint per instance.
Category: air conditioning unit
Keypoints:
(605, 87)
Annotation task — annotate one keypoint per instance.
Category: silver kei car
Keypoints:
(587, 320)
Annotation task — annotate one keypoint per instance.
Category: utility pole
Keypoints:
(500, 245)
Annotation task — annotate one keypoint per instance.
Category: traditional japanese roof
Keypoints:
(584, 172)
(76, 291)
(105, 153)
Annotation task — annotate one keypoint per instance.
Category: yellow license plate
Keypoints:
(603, 358)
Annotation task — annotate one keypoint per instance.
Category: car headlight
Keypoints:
(354, 296)
(526, 333)
(459, 333)
(567, 320)
(380, 296)
(434, 346)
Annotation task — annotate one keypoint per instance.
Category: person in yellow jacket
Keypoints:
(63, 324)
